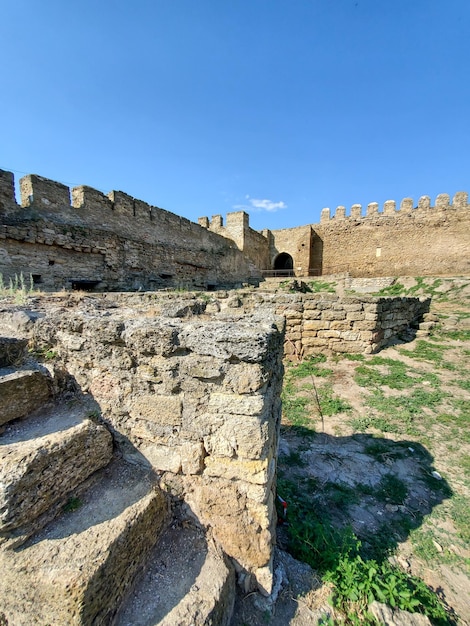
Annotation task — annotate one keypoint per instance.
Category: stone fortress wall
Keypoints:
(84, 238)
(410, 241)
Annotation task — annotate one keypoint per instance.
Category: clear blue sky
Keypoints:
(281, 107)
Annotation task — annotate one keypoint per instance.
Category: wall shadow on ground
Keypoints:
(340, 490)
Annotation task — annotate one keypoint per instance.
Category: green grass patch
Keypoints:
(295, 410)
(460, 512)
(425, 351)
(331, 404)
(308, 367)
(317, 286)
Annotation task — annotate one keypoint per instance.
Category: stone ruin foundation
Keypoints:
(185, 387)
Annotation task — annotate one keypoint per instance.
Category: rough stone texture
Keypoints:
(188, 581)
(22, 392)
(196, 398)
(395, 617)
(426, 240)
(35, 472)
(12, 351)
(78, 570)
(329, 323)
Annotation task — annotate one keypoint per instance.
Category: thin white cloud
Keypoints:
(258, 204)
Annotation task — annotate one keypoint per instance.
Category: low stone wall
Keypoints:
(328, 323)
(194, 395)
(331, 324)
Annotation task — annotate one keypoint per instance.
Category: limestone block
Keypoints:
(37, 472)
(315, 341)
(329, 333)
(207, 368)
(365, 325)
(21, 393)
(236, 404)
(309, 333)
(246, 437)
(245, 378)
(163, 458)
(333, 315)
(252, 471)
(352, 347)
(221, 505)
(350, 335)
(104, 330)
(355, 316)
(164, 410)
(310, 305)
(192, 457)
(63, 576)
(246, 341)
(292, 315)
(152, 338)
(316, 325)
(12, 351)
(291, 336)
(340, 325)
(312, 314)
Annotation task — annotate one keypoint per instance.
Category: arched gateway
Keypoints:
(284, 263)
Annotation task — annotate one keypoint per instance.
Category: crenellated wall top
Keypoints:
(86, 204)
(390, 209)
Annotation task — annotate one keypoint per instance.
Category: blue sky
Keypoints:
(203, 107)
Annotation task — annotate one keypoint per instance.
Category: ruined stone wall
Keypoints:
(195, 395)
(326, 323)
(118, 241)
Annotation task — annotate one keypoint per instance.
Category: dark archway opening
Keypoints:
(284, 261)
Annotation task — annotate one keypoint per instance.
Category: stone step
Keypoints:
(187, 582)
(21, 393)
(45, 458)
(77, 570)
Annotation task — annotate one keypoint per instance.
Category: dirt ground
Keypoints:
(409, 419)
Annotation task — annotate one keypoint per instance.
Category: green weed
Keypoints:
(309, 367)
(460, 512)
(72, 504)
(424, 351)
(331, 404)
(294, 409)
(316, 286)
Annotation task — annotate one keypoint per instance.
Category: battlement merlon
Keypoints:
(7, 188)
(442, 203)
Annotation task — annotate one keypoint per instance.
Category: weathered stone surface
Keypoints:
(253, 471)
(241, 526)
(37, 472)
(63, 576)
(188, 582)
(165, 410)
(12, 351)
(396, 617)
(244, 342)
(21, 393)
